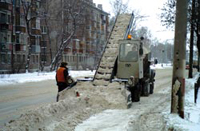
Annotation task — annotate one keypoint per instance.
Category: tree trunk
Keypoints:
(191, 40)
(50, 51)
(58, 55)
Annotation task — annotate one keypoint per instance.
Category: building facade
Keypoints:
(19, 28)
(85, 50)
(40, 30)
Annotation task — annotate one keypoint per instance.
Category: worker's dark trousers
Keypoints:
(61, 86)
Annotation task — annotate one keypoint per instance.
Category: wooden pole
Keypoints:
(191, 40)
(178, 80)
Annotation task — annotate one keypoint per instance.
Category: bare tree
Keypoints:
(168, 14)
(29, 8)
(142, 32)
(46, 19)
(168, 19)
(118, 7)
(73, 12)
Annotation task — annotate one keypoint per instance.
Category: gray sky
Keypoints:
(150, 8)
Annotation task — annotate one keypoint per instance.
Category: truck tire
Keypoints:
(151, 88)
(136, 96)
(146, 89)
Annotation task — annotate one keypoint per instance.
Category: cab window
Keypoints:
(128, 52)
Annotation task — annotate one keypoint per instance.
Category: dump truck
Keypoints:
(133, 67)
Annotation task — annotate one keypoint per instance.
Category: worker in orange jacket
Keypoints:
(61, 77)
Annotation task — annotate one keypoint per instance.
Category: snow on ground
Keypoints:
(118, 120)
(191, 122)
(161, 66)
(6, 79)
(192, 110)
(38, 76)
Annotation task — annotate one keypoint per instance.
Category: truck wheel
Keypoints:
(151, 88)
(136, 96)
(146, 89)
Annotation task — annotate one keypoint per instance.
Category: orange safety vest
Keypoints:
(60, 74)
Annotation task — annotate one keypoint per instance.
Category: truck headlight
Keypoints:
(131, 81)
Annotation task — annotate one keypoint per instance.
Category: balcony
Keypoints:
(6, 27)
(20, 29)
(80, 50)
(4, 47)
(5, 6)
(35, 31)
(74, 50)
(35, 49)
(3, 21)
(68, 50)
(20, 47)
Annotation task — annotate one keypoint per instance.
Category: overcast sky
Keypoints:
(147, 8)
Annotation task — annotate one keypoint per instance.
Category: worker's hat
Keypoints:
(63, 64)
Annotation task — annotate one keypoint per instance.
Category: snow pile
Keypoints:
(71, 110)
(161, 66)
(191, 122)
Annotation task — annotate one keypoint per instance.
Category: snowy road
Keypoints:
(17, 98)
(88, 112)
(139, 117)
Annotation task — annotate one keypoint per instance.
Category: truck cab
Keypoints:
(133, 65)
(129, 59)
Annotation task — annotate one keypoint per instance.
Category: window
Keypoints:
(37, 40)
(128, 52)
(44, 29)
(18, 58)
(17, 38)
(8, 37)
(17, 2)
(43, 58)
(8, 1)
(3, 37)
(38, 5)
(3, 58)
(22, 21)
(43, 50)
(33, 61)
(9, 58)
(37, 60)
(37, 23)
(9, 21)
(3, 17)
(23, 58)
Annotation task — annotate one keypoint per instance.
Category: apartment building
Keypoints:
(86, 48)
(16, 34)
(45, 32)
(6, 28)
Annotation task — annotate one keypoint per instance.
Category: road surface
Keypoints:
(18, 98)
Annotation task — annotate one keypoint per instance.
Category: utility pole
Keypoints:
(178, 80)
(191, 40)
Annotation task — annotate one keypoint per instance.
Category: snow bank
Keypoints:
(191, 122)
(71, 110)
